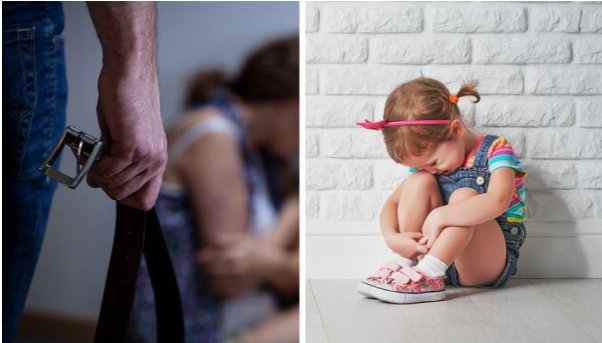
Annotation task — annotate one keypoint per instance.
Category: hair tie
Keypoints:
(453, 99)
(379, 125)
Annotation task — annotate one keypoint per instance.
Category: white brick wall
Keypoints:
(540, 72)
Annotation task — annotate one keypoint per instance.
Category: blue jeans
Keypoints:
(514, 233)
(34, 97)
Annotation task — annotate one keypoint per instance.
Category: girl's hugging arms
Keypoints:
(505, 170)
(474, 210)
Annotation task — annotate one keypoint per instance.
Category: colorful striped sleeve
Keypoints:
(502, 155)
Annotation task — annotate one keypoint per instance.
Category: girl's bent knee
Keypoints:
(421, 179)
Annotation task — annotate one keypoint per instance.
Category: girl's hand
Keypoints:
(406, 244)
(431, 228)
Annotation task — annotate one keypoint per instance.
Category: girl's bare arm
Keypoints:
(483, 207)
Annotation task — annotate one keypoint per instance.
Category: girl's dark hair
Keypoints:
(421, 98)
(270, 73)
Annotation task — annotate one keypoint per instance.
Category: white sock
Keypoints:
(432, 266)
(408, 262)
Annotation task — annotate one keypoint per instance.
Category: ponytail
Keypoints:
(469, 89)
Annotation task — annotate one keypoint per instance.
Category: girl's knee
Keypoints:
(461, 194)
(421, 184)
(421, 179)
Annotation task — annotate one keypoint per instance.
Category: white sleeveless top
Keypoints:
(263, 214)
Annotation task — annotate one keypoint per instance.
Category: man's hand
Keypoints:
(128, 104)
(406, 244)
(130, 121)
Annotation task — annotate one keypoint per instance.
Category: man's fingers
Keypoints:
(139, 192)
(127, 190)
(144, 198)
(123, 177)
(109, 166)
(91, 179)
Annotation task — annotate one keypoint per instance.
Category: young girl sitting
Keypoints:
(461, 210)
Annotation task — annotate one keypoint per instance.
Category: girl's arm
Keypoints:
(211, 169)
(483, 207)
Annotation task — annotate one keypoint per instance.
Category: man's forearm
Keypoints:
(128, 104)
(127, 32)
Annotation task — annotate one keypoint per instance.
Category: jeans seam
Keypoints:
(51, 84)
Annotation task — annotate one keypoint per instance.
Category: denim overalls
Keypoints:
(477, 178)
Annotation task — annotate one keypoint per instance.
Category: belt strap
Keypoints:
(139, 233)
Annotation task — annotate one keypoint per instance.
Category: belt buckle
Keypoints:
(85, 145)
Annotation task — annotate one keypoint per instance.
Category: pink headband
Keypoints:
(379, 125)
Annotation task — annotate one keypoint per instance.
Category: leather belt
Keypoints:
(137, 233)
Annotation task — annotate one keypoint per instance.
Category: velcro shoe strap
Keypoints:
(385, 270)
(398, 278)
(411, 273)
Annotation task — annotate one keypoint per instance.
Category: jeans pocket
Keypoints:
(19, 95)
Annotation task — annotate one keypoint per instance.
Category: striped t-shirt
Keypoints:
(501, 155)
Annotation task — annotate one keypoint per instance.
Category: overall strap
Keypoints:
(480, 160)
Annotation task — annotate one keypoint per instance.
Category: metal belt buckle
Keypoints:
(86, 146)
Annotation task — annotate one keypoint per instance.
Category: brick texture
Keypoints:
(370, 18)
(591, 19)
(588, 50)
(555, 19)
(420, 49)
(540, 71)
(336, 49)
(500, 49)
(473, 18)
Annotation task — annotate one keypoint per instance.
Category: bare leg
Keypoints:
(479, 252)
(419, 196)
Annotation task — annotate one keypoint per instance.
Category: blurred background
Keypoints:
(70, 275)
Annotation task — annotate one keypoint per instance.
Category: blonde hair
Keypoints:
(421, 99)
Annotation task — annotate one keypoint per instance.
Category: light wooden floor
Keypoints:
(525, 310)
